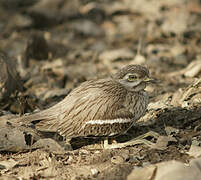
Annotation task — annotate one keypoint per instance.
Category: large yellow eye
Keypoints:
(132, 77)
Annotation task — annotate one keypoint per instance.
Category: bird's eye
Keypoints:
(132, 77)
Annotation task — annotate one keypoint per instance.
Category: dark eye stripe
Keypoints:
(132, 77)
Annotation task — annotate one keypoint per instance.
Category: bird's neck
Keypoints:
(136, 103)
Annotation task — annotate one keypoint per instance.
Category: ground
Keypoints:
(53, 46)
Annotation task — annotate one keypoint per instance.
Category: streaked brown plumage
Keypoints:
(104, 107)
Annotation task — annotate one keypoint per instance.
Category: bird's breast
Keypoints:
(136, 103)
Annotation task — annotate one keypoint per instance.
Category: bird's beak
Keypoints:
(151, 80)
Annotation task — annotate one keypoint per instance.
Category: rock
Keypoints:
(142, 173)
(12, 140)
(162, 142)
(49, 145)
(168, 170)
(139, 59)
(94, 172)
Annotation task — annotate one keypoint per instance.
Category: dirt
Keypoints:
(56, 45)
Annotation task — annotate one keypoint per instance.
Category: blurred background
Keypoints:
(58, 44)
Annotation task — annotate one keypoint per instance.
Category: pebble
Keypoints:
(94, 172)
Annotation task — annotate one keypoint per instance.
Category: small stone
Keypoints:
(139, 59)
(97, 152)
(70, 158)
(49, 145)
(94, 172)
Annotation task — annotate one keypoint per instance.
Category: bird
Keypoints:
(99, 107)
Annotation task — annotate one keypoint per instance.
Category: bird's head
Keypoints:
(133, 77)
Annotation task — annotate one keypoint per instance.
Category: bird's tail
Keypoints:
(45, 120)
